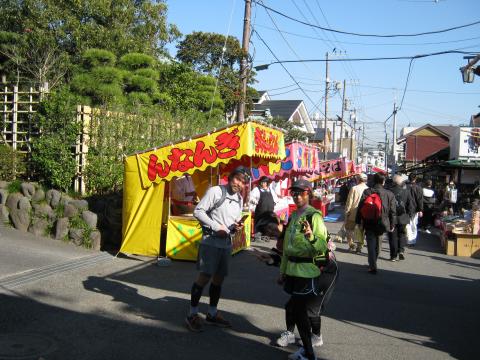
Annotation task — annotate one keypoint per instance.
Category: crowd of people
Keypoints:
(308, 269)
(303, 251)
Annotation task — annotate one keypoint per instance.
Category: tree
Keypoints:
(183, 89)
(67, 28)
(204, 52)
(98, 81)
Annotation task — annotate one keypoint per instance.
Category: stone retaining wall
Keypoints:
(50, 213)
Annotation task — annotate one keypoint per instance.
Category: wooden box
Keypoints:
(450, 248)
(467, 244)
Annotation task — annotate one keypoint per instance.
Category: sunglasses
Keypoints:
(296, 193)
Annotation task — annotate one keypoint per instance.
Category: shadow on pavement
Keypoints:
(75, 335)
(430, 307)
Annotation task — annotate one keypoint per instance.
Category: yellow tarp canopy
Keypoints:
(145, 175)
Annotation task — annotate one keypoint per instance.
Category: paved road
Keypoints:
(94, 306)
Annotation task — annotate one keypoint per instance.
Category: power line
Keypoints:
(289, 74)
(406, 83)
(371, 44)
(406, 57)
(366, 35)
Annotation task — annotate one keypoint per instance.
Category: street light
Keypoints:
(468, 71)
(468, 75)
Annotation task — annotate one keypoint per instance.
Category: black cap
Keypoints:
(240, 170)
(264, 179)
(301, 184)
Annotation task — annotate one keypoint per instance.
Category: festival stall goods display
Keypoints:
(147, 175)
(461, 235)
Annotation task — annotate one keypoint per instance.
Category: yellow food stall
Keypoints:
(207, 158)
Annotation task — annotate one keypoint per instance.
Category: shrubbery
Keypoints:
(11, 163)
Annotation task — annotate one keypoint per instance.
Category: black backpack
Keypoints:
(400, 203)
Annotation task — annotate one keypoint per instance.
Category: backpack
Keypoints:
(207, 230)
(399, 204)
(372, 208)
(221, 200)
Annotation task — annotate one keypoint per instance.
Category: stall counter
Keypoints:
(184, 234)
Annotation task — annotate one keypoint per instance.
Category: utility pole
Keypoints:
(243, 64)
(343, 111)
(394, 139)
(386, 148)
(353, 135)
(326, 107)
(363, 139)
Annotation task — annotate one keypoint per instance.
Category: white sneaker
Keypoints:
(428, 231)
(286, 338)
(298, 355)
(317, 340)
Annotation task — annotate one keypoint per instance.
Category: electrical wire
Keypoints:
(368, 35)
(221, 59)
(410, 66)
(372, 44)
(406, 57)
(288, 72)
(285, 40)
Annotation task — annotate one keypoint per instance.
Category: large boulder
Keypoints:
(39, 195)
(61, 228)
(76, 236)
(53, 198)
(39, 227)
(4, 214)
(3, 196)
(90, 218)
(43, 211)
(80, 204)
(65, 199)
(28, 189)
(70, 211)
(12, 200)
(20, 219)
(19, 208)
(96, 240)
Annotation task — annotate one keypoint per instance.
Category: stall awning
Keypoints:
(464, 164)
(250, 140)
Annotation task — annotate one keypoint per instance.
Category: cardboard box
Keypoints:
(467, 244)
(464, 246)
(450, 248)
(476, 247)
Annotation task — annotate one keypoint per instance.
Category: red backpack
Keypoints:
(372, 208)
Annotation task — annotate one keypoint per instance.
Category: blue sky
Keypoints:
(435, 92)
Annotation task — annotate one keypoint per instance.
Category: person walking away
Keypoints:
(377, 214)
(451, 198)
(351, 208)
(265, 203)
(405, 210)
(304, 244)
(343, 193)
(219, 213)
(428, 206)
(416, 193)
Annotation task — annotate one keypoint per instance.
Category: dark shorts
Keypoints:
(212, 260)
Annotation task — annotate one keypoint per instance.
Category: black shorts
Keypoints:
(212, 260)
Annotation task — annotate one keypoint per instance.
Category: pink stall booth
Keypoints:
(301, 161)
